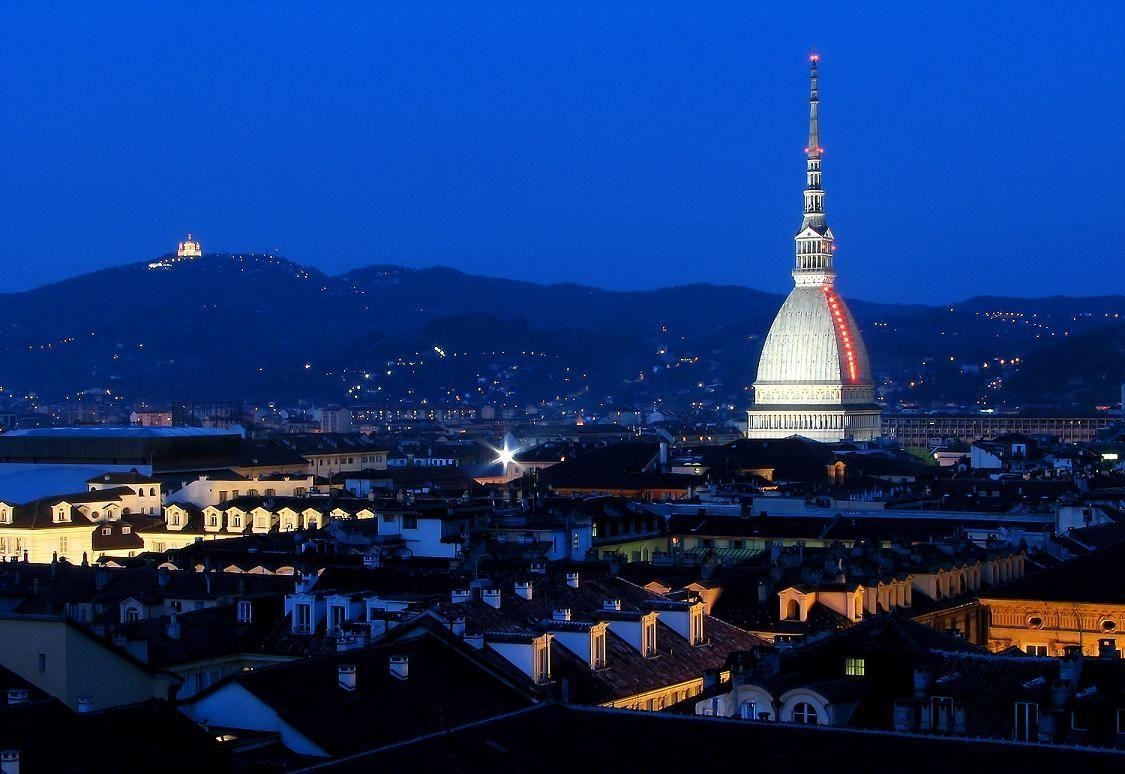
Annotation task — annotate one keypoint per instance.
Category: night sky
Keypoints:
(970, 148)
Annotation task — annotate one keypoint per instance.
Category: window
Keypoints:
(597, 655)
(5, 516)
(299, 491)
(302, 615)
(43, 663)
(126, 530)
(410, 522)
(792, 610)
(245, 612)
(855, 667)
(236, 521)
(107, 530)
(1037, 650)
(213, 520)
(176, 605)
(1079, 719)
(389, 518)
(695, 626)
(1108, 625)
(805, 714)
(1027, 722)
(63, 545)
(174, 518)
(1035, 622)
(336, 616)
(234, 493)
(222, 496)
(132, 614)
(648, 644)
(542, 662)
(1121, 721)
(252, 492)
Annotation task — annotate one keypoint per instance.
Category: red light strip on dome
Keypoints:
(835, 305)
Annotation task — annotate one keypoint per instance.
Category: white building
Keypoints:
(814, 378)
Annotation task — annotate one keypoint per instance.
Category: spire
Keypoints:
(813, 264)
(814, 126)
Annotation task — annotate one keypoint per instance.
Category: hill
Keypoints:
(259, 327)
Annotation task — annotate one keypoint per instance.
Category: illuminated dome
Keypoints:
(813, 340)
(814, 378)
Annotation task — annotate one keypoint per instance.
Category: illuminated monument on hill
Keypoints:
(189, 248)
(814, 378)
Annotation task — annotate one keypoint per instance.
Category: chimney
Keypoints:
(1107, 648)
(1070, 665)
(904, 716)
(85, 703)
(922, 679)
(611, 605)
(475, 641)
(347, 642)
(460, 595)
(399, 666)
(173, 628)
(345, 677)
(10, 762)
(17, 696)
(572, 579)
(561, 614)
(523, 589)
(539, 568)
(960, 718)
(491, 597)
(457, 626)
(1060, 692)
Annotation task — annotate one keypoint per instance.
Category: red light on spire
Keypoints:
(814, 57)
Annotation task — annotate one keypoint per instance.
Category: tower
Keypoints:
(814, 378)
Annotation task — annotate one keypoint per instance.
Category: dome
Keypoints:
(814, 340)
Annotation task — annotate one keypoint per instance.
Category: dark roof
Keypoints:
(152, 735)
(1094, 577)
(132, 477)
(445, 688)
(211, 632)
(562, 738)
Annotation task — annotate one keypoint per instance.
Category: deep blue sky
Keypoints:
(971, 148)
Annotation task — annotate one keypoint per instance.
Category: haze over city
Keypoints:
(624, 146)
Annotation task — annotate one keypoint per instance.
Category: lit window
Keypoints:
(245, 612)
(854, 667)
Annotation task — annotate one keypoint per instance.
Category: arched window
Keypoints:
(132, 614)
(792, 610)
(805, 713)
(152, 491)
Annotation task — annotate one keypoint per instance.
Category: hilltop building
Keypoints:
(189, 248)
(814, 378)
